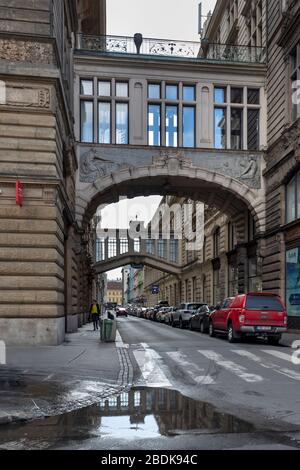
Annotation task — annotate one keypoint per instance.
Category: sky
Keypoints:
(169, 19)
(166, 19)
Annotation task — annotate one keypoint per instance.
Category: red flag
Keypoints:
(19, 193)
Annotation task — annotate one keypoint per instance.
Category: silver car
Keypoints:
(181, 317)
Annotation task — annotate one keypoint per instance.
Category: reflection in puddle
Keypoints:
(141, 413)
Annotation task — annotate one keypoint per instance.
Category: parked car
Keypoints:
(183, 314)
(121, 312)
(168, 315)
(161, 314)
(200, 319)
(253, 314)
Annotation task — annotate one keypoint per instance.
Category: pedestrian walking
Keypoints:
(95, 313)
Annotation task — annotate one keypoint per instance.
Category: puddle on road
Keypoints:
(142, 413)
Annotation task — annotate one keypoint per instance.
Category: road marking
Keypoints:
(119, 341)
(279, 354)
(267, 365)
(195, 372)
(236, 369)
(49, 377)
(148, 361)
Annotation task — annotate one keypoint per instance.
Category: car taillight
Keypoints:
(285, 320)
(242, 318)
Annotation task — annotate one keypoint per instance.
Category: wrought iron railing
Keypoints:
(170, 48)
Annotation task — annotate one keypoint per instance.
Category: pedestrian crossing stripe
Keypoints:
(268, 365)
(236, 369)
(196, 373)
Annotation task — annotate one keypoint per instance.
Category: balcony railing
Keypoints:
(165, 48)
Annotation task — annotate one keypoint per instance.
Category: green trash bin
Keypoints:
(108, 330)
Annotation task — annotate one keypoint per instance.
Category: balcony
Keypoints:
(170, 49)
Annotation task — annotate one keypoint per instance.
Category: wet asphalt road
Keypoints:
(190, 392)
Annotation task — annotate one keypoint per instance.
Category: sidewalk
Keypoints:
(44, 381)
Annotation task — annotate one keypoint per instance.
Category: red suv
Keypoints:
(253, 314)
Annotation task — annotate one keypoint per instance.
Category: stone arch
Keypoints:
(214, 189)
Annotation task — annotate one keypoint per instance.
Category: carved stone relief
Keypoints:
(26, 51)
(27, 97)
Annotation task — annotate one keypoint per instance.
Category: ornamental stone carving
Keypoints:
(27, 97)
(26, 51)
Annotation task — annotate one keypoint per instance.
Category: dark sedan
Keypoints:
(121, 312)
(200, 319)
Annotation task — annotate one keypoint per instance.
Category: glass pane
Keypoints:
(189, 93)
(220, 95)
(253, 129)
(104, 123)
(122, 89)
(292, 281)
(86, 87)
(154, 124)
(122, 123)
(154, 91)
(104, 88)
(237, 95)
(220, 128)
(253, 96)
(188, 126)
(291, 201)
(171, 92)
(171, 126)
(236, 129)
(263, 302)
(87, 121)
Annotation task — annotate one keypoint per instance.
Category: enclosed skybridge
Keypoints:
(119, 249)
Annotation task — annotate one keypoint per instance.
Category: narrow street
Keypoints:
(185, 390)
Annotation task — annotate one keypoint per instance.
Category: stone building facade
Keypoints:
(44, 262)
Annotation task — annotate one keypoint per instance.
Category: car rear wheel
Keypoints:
(232, 336)
(190, 325)
(202, 330)
(274, 340)
(211, 329)
(180, 323)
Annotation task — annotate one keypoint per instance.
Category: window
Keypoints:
(161, 248)
(86, 87)
(171, 92)
(253, 129)
(112, 247)
(217, 240)
(150, 247)
(231, 236)
(154, 129)
(171, 126)
(236, 128)
(104, 122)
(293, 199)
(174, 251)
(220, 128)
(123, 246)
(236, 95)
(294, 78)
(242, 102)
(220, 95)
(122, 123)
(87, 121)
(107, 107)
(189, 93)
(188, 126)
(168, 106)
(263, 302)
(253, 279)
(153, 91)
(122, 89)
(104, 88)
